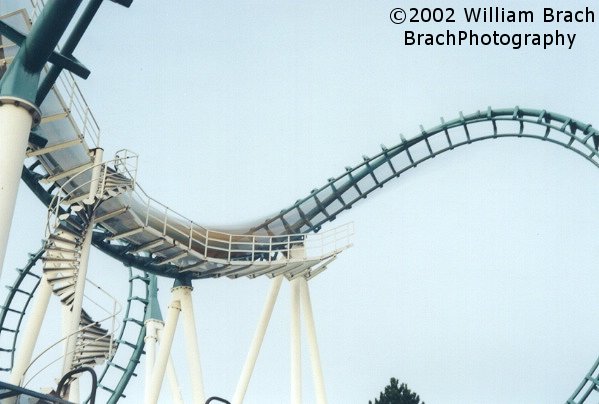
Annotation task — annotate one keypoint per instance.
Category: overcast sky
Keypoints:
(472, 278)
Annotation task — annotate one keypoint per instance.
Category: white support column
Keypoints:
(166, 342)
(74, 391)
(250, 362)
(296, 353)
(96, 176)
(31, 332)
(173, 383)
(317, 376)
(78, 299)
(191, 343)
(150, 342)
(65, 325)
(15, 125)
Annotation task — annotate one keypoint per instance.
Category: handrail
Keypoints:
(112, 316)
(228, 247)
(123, 163)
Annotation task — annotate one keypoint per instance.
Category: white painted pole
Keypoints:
(191, 344)
(65, 325)
(74, 391)
(166, 342)
(150, 341)
(15, 125)
(96, 176)
(31, 332)
(317, 376)
(173, 383)
(250, 362)
(78, 298)
(296, 353)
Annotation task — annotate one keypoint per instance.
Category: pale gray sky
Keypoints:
(472, 278)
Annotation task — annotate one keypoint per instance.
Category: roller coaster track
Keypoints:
(145, 234)
(121, 367)
(125, 370)
(18, 309)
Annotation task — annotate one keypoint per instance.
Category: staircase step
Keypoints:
(56, 237)
(60, 260)
(63, 249)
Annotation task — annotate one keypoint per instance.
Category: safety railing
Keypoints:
(76, 108)
(91, 184)
(8, 49)
(227, 247)
(110, 316)
(71, 102)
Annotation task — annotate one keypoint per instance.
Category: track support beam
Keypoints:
(250, 362)
(31, 332)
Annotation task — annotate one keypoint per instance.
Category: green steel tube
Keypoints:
(22, 77)
(47, 31)
(69, 46)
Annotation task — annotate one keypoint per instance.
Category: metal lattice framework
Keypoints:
(121, 367)
(64, 166)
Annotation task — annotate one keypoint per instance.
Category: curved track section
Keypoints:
(15, 305)
(143, 233)
(140, 232)
(121, 368)
(341, 193)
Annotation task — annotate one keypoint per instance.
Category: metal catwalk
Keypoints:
(96, 201)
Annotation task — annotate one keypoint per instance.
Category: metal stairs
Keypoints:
(61, 261)
(130, 342)
(115, 183)
(94, 344)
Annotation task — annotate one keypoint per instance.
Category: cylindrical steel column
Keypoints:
(296, 353)
(250, 362)
(173, 383)
(191, 343)
(317, 376)
(74, 390)
(166, 342)
(150, 341)
(15, 125)
(78, 298)
(96, 176)
(31, 332)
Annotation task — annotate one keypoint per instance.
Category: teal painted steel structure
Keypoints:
(324, 203)
(21, 80)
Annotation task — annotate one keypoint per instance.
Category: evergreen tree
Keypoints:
(397, 394)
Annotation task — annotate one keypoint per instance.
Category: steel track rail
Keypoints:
(7, 307)
(127, 371)
(341, 193)
(323, 205)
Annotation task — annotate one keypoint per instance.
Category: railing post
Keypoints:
(165, 220)
(148, 212)
(206, 245)
(229, 252)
